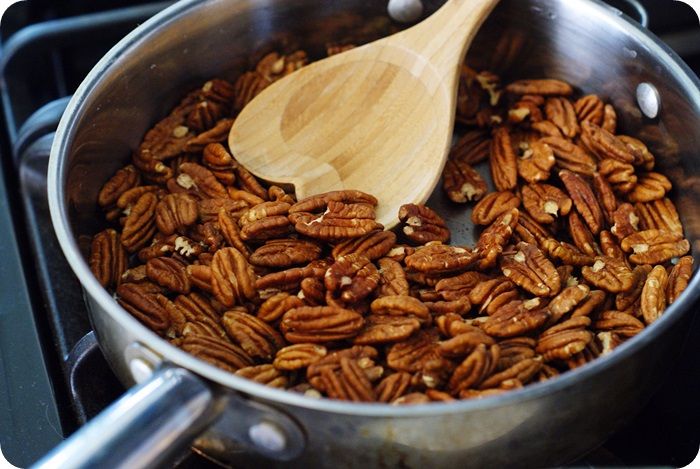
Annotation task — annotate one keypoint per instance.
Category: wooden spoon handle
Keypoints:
(444, 37)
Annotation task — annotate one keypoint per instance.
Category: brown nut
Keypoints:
(256, 337)
(570, 156)
(503, 161)
(561, 112)
(461, 182)
(516, 318)
(678, 278)
(584, 200)
(422, 225)
(107, 258)
(545, 87)
(168, 273)
(531, 270)
(232, 278)
(654, 246)
(282, 253)
(372, 245)
(545, 203)
(351, 278)
(610, 274)
(320, 324)
(590, 108)
(441, 258)
(536, 161)
(140, 225)
(492, 206)
(654, 294)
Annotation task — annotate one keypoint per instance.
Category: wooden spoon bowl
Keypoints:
(378, 118)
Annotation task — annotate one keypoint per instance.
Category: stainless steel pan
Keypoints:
(183, 401)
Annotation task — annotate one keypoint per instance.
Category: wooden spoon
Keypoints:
(378, 118)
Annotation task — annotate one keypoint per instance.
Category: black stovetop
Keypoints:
(52, 375)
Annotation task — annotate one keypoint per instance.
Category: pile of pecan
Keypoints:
(579, 249)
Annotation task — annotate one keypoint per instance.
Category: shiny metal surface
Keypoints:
(143, 428)
(580, 41)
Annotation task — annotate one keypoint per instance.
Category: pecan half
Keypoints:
(622, 324)
(604, 144)
(561, 112)
(659, 215)
(493, 205)
(472, 148)
(441, 258)
(298, 356)
(678, 278)
(264, 374)
(516, 318)
(545, 202)
(566, 301)
(320, 324)
(654, 246)
(625, 221)
(422, 225)
(420, 352)
(393, 386)
(479, 364)
(401, 305)
(232, 277)
(492, 294)
(392, 278)
(168, 273)
(619, 175)
(584, 199)
(461, 182)
(349, 382)
(627, 300)
(124, 179)
(654, 294)
(255, 336)
(536, 161)
(351, 278)
(218, 352)
(590, 108)
(642, 155)
(140, 225)
(503, 161)
(564, 340)
(291, 278)
(570, 156)
(200, 179)
(610, 274)
(384, 329)
(544, 86)
(143, 304)
(514, 350)
(340, 221)
(463, 344)
(275, 306)
(605, 195)
(650, 186)
(107, 258)
(459, 286)
(372, 245)
(493, 239)
(531, 270)
(582, 236)
(281, 253)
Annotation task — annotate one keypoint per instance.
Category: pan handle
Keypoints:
(151, 424)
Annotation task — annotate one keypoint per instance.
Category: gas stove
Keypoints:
(53, 377)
